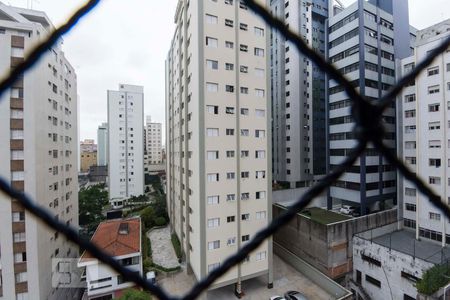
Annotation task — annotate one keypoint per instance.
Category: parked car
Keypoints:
(294, 295)
(277, 298)
(151, 276)
(347, 209)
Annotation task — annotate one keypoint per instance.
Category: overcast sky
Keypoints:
(127, 42)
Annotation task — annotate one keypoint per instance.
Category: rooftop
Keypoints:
(404, 241)
(117, 237)
(323, 216)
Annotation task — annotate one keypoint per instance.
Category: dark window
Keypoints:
(373, 281)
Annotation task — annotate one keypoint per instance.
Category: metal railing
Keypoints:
(368, 119)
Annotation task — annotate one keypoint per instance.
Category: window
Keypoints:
(230, 175)
(18, 216)
(17, 134)
(17, 52)
(229, 23)
(246, 238)
(410, 191)
(230, 154)
(244, 153)
(212, 64)
(229, 88)
(212, 109)
(260, 133)
(435, 216)
(434, 162)
(245, 174)
(231, 219)
(245, 132)
(433, 71)
(21, 277)
(259, 31)
(245, 217)
(213, 177)
(20, 257)
(244, 90)
(229, 2)
(244, 111)
(433, 107)
(259, 52)
(410, 160)
(211, 42)
(434, 180)
(410, 207)
(229, 110)
(229, 67)
(433, 144)
(210, 19)
(410, 98)
(21, 296)
(231, 241)
(212, 87)
(433, 89)
(17, 176)
(211, 267)
(259, 93)
(16, 114)
(245, 196)
(260, 112)
(261, 255)
(243, 69)
(213, 199)
(261, 195)
(411, 113)
(260, 215)
(19, 237)
(229, 44)
(243, 48)
(212, 155)
(434, 125)
(231, 197)
(212, 131)
(229, 131)
(213, 223)
(260, 154)
(17, 155)
(410, 129)
(260, 174)
(243, 26)
(214, 245)
(373, 281)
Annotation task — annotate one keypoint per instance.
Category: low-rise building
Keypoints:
(87, 160)
(122, 240)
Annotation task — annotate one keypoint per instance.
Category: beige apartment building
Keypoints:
(218, 137)
(38, 138)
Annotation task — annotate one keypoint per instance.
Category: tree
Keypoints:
(133, 294)
(91, 202)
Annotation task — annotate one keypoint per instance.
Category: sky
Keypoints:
(127, 42)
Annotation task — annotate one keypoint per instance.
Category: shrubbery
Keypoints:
(433, 279)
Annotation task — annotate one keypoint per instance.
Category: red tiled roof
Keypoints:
(108, 238)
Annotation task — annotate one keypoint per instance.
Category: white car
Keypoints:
(347, 209)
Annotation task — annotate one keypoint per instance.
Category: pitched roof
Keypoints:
(110, 237)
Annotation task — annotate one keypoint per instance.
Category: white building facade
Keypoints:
(423, 109)
(102, 145)
(153, 142)
(218, 136)
(39, 152)
(126, 141)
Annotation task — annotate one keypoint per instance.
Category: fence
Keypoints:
(368, 128)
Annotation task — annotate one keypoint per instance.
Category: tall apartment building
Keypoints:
(424, 139)
(102, 145)
(361, 44)
(38, 117)
(126, 141)
(218, 136)
(298, 94)
(153, 142)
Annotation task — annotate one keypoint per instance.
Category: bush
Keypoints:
(176, 245)
(160, 221)
(433, 279)
(134, 294)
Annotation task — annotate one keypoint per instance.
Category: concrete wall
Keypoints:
(327, 247)
(393, 286)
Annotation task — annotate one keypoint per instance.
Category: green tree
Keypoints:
(91, 202)
(133, 294)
